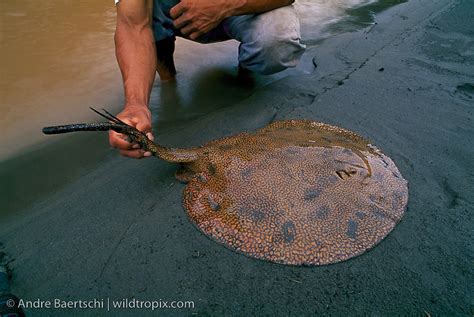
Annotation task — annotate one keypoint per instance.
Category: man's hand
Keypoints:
(140, 118)
(195, 18)
(136, 55)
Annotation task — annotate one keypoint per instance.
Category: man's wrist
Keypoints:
(235, 7)
(135, 105)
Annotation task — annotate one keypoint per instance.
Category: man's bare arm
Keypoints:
(136, 56)
(135, 50)
(196, 17)
(257, 6)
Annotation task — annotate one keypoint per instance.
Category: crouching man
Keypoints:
(268, 32)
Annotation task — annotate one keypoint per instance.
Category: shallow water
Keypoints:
(57, 59)
(317, 16)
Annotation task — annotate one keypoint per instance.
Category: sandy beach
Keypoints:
(114, 228)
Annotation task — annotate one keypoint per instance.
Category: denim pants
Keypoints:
(269, 42)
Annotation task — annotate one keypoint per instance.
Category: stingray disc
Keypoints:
(296, 192)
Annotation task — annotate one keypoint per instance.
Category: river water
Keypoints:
(57, 59)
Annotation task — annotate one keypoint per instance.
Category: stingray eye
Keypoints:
(345, 174)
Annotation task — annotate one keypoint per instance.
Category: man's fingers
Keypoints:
(137, 154)
(180, 21)
(195, 35)
(150, 136)
(189, 29)
(177, 10)
(144, 127)
(116, 140)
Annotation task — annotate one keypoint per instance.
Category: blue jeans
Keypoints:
(269, 42)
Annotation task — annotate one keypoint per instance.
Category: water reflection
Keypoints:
(206, 91)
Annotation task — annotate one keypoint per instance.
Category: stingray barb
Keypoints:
(173, 155)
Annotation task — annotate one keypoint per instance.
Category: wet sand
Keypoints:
(118, 229)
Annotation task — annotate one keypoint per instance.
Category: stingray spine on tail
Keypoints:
(173, 155)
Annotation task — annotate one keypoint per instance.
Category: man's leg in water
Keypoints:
(269, 42)
(164, 33)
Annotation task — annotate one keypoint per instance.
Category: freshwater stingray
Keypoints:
(295, 192)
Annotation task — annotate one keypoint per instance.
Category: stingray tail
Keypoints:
(60, 129)
(117, 125)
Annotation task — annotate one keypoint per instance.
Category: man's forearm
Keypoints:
(195, 18)
(240, 7)
(135, 50)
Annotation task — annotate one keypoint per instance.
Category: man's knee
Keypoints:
(275, 42)
(272, 53)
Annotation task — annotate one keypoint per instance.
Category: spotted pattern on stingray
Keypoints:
(308, 198)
